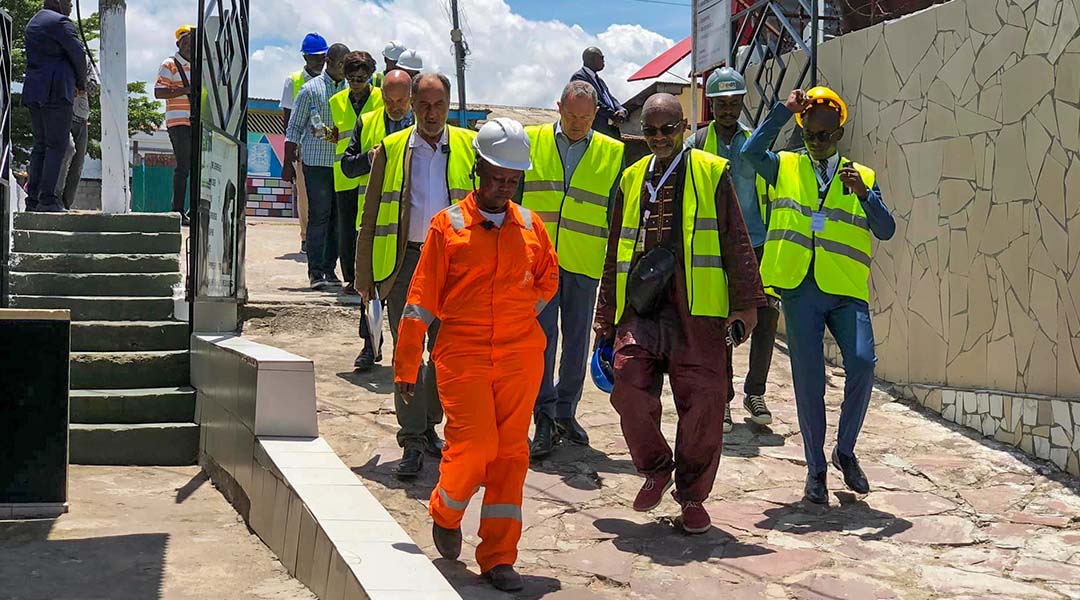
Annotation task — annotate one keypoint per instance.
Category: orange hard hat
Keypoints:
(823, 96)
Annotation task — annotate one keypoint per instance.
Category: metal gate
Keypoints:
(6, 194)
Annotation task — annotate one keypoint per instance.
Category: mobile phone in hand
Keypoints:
(847, 165)
(736, 333)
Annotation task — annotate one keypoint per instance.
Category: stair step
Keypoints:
(145, 405)
(93, 284)
(102, 308)
(97, 221)
(128, 336)
(127, 370)
(96, 243)
(95, 263)
(157, 444)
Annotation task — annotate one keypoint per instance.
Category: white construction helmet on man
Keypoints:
(393, 50)
(504, 143)
(724, 81)
(409, 60)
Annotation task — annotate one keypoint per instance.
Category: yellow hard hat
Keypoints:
(822, 95)
(184, 30)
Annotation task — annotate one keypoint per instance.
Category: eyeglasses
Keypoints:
(669, 129)
(819, 136)
(362, 78)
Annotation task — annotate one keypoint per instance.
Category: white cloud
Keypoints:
(513, 60)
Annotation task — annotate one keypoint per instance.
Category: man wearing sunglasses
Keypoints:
(679, 274)
(817, 253)
(725, 137)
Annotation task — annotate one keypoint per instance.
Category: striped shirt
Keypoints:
(315, 152)
(178, 109)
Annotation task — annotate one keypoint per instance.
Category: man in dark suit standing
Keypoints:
(55, 75)
(610, 112)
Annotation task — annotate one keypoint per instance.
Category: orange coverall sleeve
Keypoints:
(423, 306)
(546, 269)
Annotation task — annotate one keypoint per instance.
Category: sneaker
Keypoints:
(303, 247)
(319, 283)
(350, 290)
(728, 424)
(759, 413)
(695, 519)
(652, 491)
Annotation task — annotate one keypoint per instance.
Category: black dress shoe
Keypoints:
(544, 441)
(505, 578)
(364, 362)
(572, 431)
(816, 490)
(854, 478)
(447, 541)
(411, 463)
(433, 444)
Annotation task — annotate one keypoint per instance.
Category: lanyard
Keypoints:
(648, 184)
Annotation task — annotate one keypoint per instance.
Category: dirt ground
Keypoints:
(140, 533)
(950, 514)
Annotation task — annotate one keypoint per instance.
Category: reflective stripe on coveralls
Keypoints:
(488, 370)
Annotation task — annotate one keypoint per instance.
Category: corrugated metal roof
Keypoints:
(266, 122)
(663, 63)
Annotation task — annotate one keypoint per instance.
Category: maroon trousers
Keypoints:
(693, 352)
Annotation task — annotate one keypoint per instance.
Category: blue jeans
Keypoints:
(573, 305)
(807, 312)
(321, 230)
(51, 125)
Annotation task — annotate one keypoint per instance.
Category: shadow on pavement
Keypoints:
(123, 567)
(581, 466)
(379, 379)
(665, 544)
(472, 586)
(853, 514)
(295, 257)
(185, 492)
(417, 488)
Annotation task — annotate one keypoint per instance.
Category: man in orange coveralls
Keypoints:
(486, 271)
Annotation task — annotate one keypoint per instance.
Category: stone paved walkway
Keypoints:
(949, 516)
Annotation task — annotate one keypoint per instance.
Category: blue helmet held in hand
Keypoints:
(602, 366)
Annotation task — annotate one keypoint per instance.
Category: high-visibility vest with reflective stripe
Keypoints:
(297, 83)
(841, 252)
(372, 132)
(377, 80)
(344, 117)
(706, 281)
(459, 165)
(763, 190)
(576, 218)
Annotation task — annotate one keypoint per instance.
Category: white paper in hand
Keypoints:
(374, 317)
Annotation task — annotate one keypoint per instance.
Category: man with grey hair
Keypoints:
(574, 176)
(610, 113)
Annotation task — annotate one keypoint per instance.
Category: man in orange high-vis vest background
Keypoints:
(486, 271)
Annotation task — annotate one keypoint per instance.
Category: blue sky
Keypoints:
(595, 16)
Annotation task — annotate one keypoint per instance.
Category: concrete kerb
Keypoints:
(261, 447)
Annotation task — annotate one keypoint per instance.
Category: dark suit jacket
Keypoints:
(55, 60)
(607, 109)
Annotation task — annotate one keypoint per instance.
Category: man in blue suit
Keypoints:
(55, 74)
(610, 112)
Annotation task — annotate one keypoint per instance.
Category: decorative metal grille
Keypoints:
(762, 32)
(220, 86)
(6, 195)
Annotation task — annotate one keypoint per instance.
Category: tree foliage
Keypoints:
(144, 114)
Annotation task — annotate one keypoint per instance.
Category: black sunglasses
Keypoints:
(819, 136)
(668, 129)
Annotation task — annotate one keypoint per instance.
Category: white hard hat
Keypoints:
(504, 143)
(393, 50)
(410, 61)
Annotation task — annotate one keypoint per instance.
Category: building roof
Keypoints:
(656, 87)
(663, 63)
(526, 115)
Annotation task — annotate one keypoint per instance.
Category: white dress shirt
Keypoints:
(825, 172)
(428, 193)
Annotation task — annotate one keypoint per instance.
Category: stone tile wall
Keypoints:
(970, 114)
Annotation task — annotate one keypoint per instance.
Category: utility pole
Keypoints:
(459, 59)
(115, 151)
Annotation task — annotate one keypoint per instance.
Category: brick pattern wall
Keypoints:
(269, 197)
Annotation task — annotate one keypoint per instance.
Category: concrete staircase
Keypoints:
(131, 403)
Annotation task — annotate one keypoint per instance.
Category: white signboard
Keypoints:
(712, 33)
(219, 185)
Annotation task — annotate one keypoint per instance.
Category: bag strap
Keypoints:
(183, 76)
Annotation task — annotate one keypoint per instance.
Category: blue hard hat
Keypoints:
(602, 367)
(314, 44)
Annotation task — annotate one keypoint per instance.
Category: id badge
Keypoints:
(817, 222)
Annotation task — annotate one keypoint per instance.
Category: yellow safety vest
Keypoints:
(377, 80)
(763, 189)
(297, 83)
(459, 166)
(576, 218)
(344, 118)
(841, 252)
(372, 132)
(706, 287)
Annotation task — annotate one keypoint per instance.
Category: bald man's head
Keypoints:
(397, 94)
(593, 58)
(663, 124)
